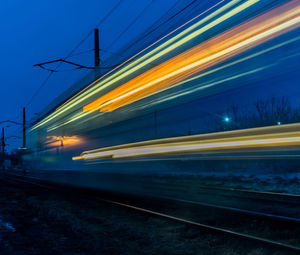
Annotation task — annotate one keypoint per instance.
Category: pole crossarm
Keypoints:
(10, 121)
(42, 65)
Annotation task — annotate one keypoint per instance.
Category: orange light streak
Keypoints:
(201, 57)
(63, 140)
(140, 52)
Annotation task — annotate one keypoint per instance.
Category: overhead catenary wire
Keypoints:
(132, 23)
(70, 54)
(142, 50)
(112, 10)
(169, 19)
(169, 15)
(97, 25)
(158, 24)
(79, 53)
(40, 87)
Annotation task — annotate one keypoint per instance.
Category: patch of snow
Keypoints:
(7, 225)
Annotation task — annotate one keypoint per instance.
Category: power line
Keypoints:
(70, 53)
(172, 17)
(40, 87)
(79, 53)
(143, 50)
(132, 23)
(97, 25)
(164, 22)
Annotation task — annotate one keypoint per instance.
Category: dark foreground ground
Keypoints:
(39, 222)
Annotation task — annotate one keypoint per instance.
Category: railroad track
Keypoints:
(285, 198)
(254, 194)
(149, 208)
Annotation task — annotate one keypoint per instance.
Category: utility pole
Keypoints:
(24, 128)
(3, 143)
(96, 48)
(3, 149)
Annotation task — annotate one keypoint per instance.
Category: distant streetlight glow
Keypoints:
(278, 122)
(226, 119)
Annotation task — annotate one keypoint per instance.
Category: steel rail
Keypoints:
(269, 193)
(285, 198)
(234, 209)
(178, 219)
(250, 194)
(218, 229)
(204, 204)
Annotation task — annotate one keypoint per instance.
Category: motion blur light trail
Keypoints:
(193, 89)
(55, 141)
(133, 129)
(201, 57)
(190, 90)
(266, 137)
(160, 47)
(217, 17)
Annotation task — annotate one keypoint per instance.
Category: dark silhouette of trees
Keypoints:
(264, 112)
(272, 111)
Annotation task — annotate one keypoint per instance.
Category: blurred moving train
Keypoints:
(164, 111)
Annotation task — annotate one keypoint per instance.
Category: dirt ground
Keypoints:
(39, 222)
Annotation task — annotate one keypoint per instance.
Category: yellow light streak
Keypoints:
(154, 54)
(201, 57)
(158, 48)
(210, 84)
(263, 138)
(205, 85)
(205, 146)
(77, 158)
(76, 117)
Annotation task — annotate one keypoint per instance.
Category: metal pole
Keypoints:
(24, 128)
(3, 149)
(3, 142)
(96, 48)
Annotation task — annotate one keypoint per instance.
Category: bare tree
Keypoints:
(272, 111)
(266, 112)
